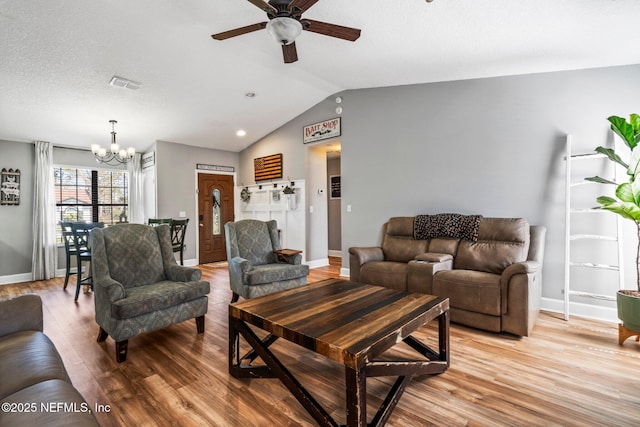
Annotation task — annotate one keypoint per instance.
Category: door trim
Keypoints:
(236, 206)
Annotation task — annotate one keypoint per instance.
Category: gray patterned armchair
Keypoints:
(254, 269)
(139, 287)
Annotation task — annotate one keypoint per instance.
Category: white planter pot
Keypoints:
(291, 201)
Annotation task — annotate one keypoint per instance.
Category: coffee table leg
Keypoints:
(356, 382)
(234, 345)
(443, 336)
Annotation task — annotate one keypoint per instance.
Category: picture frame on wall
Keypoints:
(10, 187)
(335, 184)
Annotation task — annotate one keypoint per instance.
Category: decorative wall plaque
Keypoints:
(216, 168)
(324, 130)
(10, 187)
(269, 167)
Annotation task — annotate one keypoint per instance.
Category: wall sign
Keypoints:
(323, 130)
(334, 181)
(10, 187)
(269, 167)
(148, 159)
(216, 168)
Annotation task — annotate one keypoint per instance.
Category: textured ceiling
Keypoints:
(57, 57)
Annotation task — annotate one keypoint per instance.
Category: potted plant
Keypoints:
(290, 194)
(289, 189)
(627, 204)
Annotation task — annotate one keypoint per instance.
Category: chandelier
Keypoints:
(115, 154)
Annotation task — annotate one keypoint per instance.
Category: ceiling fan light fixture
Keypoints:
(284, 29)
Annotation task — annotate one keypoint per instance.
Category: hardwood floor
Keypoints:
(566, 374)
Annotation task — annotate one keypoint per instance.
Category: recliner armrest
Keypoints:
(22, 313)
(179, 273)
(112, 287)
(360, 256)
(365, 255)
(239, 265)
(525, 267)
(433, 257)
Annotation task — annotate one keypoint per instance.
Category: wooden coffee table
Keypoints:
(350, 323)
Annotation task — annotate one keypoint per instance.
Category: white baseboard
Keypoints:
(188, 262)
(344, 272)
(335, 253)
(16, 278)
(605, 314)
(323, 262)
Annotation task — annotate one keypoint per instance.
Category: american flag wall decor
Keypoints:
(268, 167)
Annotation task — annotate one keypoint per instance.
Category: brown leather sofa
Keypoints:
(493, 283)
(35, 389)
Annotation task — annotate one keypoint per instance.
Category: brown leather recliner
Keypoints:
(493, 283)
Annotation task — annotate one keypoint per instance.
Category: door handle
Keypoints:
(201, 225)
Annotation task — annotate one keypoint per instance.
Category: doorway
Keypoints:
(320, 203)
(334, 211)
(215, 208)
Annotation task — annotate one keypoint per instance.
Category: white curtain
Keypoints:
(43, 260)
(136, 202)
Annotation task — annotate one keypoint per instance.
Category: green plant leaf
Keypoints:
(624, 192)
(634, 120)
(624, 209)
(634, 163)
(600, 180)
(623, 129)
(611, 154)
(635, 188)
(606, 200)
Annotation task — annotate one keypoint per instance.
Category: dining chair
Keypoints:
(82, 244)
(157, 221)
(178, 232)
(69, 249)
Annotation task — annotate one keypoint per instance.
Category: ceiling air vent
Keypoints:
(125, 83)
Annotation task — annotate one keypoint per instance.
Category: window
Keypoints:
(90, 195)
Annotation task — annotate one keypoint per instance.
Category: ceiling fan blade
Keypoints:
(239, 31)
(289, 53)
(301, 5)
(331, 30)
(263, 5)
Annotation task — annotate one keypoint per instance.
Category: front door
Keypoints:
(215, 208)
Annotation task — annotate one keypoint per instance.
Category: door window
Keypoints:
(217, 229)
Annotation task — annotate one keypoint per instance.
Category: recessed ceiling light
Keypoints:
(250, 94)
(241, 133)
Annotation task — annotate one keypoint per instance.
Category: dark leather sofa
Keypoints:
(35, 389)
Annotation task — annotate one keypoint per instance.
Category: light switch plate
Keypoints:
(183, 214)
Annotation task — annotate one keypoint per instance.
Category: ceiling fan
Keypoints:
(286, 23)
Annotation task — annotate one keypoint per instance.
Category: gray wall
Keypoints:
(176, 182)
(488, 146)
(16, 222)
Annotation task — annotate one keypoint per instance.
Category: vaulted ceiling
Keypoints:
(58, 56)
